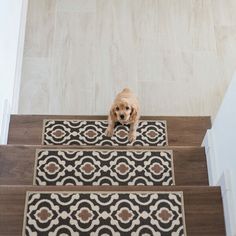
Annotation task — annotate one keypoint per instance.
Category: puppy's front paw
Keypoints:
(132, 136)
(109, 132)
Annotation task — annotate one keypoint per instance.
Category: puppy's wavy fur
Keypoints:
(125, 110)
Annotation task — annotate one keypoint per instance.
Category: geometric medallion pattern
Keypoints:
(103, 167)
(104, 213)
(92, 132)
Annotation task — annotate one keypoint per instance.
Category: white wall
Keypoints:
(221, 154)
(10, 33)
(224, 139)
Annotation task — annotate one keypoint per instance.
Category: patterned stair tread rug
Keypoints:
(104, 213)
(92, 132)
(103, 167)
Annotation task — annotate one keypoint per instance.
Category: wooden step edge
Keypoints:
(104, 116)
(113, 188)
(101, 147)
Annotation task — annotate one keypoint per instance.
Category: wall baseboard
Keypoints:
(228, 203)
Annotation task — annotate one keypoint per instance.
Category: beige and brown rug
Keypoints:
(99, 213)
(84, 132)
(103, 167)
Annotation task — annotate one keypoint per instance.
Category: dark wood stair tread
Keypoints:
(17, 163)
(189, 131)
(203, 206)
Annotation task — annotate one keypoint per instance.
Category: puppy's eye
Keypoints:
(117, 108)
(127, 108)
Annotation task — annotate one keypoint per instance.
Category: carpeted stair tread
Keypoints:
(110, 213)
(92, 132)
(17, 164)
(202, 205)
(189, 131)
(103, 167)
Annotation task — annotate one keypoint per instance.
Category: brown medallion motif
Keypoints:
(58, 133)
(156, 168)
(122, 168)
(121, 133)
(44, 215)
(165, 215)
(152, 134)
(85, 215)
(125, 215)
(52, 168)
(91, 133)
(88, 168)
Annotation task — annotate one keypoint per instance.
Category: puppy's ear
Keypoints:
(134, 113)
(112, 113)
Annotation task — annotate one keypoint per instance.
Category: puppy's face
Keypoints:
(123, 112)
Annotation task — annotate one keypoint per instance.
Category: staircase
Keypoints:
(59, 175)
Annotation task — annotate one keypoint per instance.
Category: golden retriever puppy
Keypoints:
(125, 110)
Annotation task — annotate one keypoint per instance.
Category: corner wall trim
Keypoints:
(19, 60)
(5, 122)
(211, 157)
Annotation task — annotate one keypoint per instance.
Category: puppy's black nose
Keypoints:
(122, 117)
